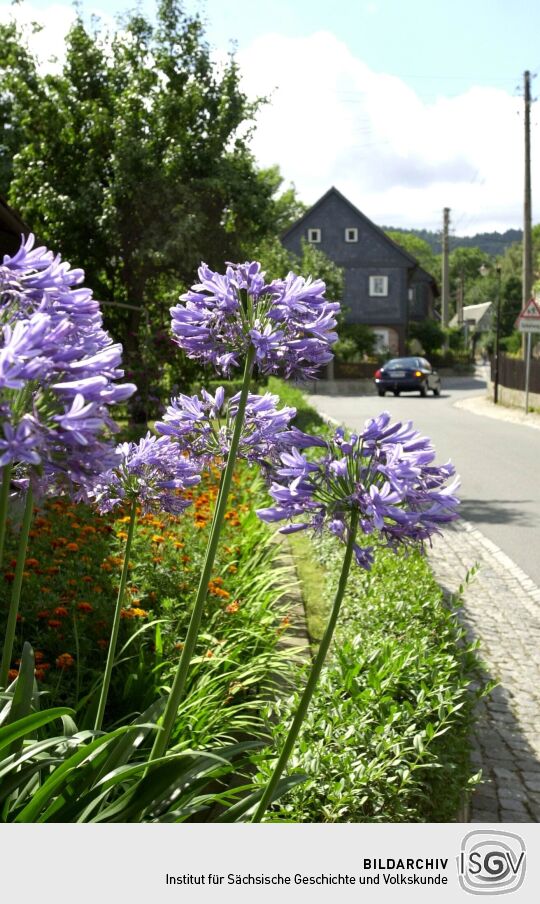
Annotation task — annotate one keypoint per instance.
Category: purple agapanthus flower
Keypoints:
(204, 425)
(59, 371)
(386, 473)
(288, 322)
(152, 472)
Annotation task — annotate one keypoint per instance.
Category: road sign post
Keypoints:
(529, 322)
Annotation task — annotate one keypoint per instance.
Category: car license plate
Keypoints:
(397, 373)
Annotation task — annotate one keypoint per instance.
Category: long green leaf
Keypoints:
(63, 777)
(29, 724)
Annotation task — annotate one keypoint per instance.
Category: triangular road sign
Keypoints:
(528, 320)
(531, 311)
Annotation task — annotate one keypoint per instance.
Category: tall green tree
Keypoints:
(134, 161)
(418, 248)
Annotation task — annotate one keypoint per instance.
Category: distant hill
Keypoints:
(493, 243)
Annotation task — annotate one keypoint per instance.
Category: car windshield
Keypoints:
(398, 363)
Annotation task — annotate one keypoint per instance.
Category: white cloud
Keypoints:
(334, 121)
(54, 22)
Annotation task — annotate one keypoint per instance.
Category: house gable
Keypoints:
(333, 214)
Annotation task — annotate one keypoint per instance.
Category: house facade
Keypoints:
(385, 287)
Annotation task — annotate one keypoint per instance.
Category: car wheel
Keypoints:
(437, 392)
(381, 392)
(423, 391)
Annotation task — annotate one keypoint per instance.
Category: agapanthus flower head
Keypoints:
(288, 322)
(151, 472)
(59, 369)
(386, 474)
(204, 425)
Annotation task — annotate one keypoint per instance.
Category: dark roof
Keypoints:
(12, 226)
(382, 234)
(10, 220)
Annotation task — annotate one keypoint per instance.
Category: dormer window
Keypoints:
(351, 234)
(314, 236)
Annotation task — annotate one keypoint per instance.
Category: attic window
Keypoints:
(378, 285)
(314, 236)
(351, 234)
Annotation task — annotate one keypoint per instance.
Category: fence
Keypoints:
(512, 373)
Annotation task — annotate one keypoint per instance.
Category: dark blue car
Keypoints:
(407, 375)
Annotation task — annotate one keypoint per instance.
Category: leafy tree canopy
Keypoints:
(419, 249)
(134, 161)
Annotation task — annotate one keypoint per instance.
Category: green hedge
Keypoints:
(387, 735)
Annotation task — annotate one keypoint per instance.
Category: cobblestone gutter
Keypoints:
(502, 609)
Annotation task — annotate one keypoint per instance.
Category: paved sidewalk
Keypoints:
(485, 407)
(502, 608)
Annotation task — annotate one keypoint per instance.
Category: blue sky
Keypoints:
(406, 106)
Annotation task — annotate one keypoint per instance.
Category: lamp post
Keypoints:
(484, 272)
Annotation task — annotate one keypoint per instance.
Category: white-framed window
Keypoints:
(314, 236)
(351, 234)
(378, 285)
(382, 340)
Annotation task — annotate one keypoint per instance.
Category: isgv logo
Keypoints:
(491, 862)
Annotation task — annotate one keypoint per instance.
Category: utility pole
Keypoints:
(445, 272)
(527, 214)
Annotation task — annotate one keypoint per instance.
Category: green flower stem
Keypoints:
(11, 625)
(4, 499)
(316, 668)
(105, 684)
(177, 691)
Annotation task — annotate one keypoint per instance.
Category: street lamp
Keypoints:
(484, 270)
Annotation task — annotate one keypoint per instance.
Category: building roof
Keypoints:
(12, 226)
(473, 313)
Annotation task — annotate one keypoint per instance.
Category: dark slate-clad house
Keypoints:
(385, 287)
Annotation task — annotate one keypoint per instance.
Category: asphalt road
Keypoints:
(498, 461)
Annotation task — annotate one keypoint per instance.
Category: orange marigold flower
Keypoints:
(65, 661)
(43, 613)
(73, 547)
(32, 563)
(61, 611)
(9, 576)
(232, 607)
(126, 613)
(52, 569)
(20, 618)
(85, 607)
(179, 646)
(122, 535)
(88, 529)
(209, 654)
(87, 579)
(12, 674)
(97, 589)
(40, 674)
(139, 613)
(157, 538)
(218, 591)
(54, 623)
(105, 566)
(39, 655)
(157, 559)
(103, 643)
